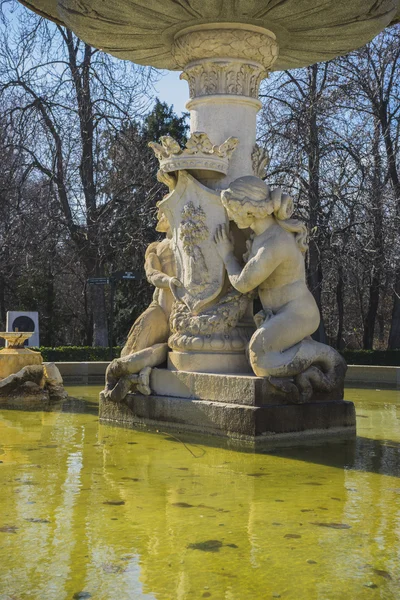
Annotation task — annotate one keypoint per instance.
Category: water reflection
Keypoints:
(120, 514)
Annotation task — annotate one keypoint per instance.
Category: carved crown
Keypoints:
(198, 153)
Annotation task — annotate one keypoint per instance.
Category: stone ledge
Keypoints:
(373, 375)
(83, 373)
(232, 389)
(92, 373)
(231, 420)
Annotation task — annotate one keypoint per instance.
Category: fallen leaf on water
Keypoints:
(9, 529)
(207, 546)
(307, 510)
(382, 573)
(292, 536)
(33, 520)
(111, 568)
(114, 502)
(313, 483)
(338, 499)
(213, 508)
(182, 505)
(332, 525)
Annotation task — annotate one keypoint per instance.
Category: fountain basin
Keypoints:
(144, 31)
(15, 357)
(91, 510)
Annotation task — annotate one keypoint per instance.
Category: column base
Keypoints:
(208, 362)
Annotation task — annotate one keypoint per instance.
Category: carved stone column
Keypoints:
(224, 65)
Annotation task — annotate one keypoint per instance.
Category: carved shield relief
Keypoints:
(194, 212)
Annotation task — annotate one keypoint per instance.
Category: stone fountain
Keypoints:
(25, 381)
(197, 359)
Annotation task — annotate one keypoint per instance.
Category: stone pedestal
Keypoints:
(13, 360)
(242, 408)
(208, 362)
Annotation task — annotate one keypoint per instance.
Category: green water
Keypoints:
(90, 510)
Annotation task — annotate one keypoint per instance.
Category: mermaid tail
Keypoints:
(314, 366)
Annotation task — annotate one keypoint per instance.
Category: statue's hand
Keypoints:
(174, 283)
(223, 242)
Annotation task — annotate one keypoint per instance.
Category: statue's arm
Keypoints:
(154, 273)
(254, 273)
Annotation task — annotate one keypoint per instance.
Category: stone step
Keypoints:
(232, 389)
(231, 420)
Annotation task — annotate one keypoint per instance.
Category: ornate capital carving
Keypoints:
(229, 40)
(232, 77)
(225, 58)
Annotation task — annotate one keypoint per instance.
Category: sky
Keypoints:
(169, 89)
(172, 90)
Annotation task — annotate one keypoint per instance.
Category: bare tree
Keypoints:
(61, 97)
(371, 80)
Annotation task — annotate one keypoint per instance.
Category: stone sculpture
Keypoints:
(25, 380)
(281, 347)
(146, 344)
(199, 319)
(152, 327)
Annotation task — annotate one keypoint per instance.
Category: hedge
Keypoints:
(388, 358)
(87, 354)
(78, 353)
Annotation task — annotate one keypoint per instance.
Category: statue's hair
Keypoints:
(252, 195)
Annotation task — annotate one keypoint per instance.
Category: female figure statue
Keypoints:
(146, 346)
(152, 326)
(281, 346)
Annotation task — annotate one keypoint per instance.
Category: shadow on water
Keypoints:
(77, 405)
(381, 456)
(361, 454)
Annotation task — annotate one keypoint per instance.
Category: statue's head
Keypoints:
(162, 222)
(245, 200)
(249, 199)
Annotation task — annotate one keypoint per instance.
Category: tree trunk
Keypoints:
(3, 313)
(50, 296)
(99, 313)
(370, 317)
(340, 305)
(314, 259)
(394, 335)
(376, 267)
